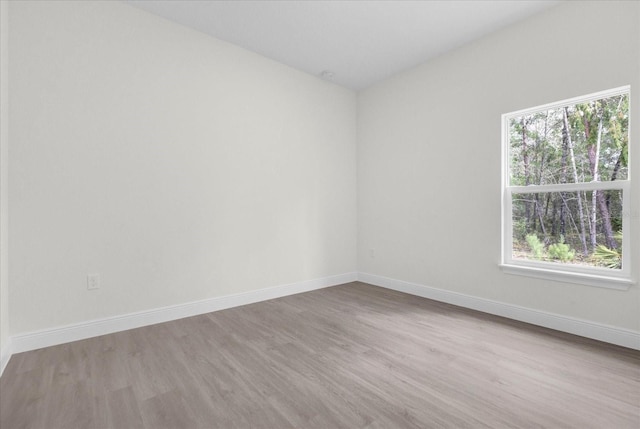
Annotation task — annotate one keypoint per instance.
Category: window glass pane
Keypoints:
(577, 143)
(583, 228)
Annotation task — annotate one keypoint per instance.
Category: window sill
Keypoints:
(618, 283)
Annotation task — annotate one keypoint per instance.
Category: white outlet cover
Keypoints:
(93, 281)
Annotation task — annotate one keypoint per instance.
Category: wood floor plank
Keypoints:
(350, 356)
(123, 410)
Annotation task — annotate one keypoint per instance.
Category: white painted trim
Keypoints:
(50, 337)
(583, 328)
(5, 352)
(574, 100)
(622, 185)
(5, 355)
(94, 328)
(529, 269)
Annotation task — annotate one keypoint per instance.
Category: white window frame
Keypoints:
(592, 276)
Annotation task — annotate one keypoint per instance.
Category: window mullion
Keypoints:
(570, 187)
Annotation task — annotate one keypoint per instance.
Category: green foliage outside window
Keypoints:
(561, 251)
(537, 248)
(580, 143)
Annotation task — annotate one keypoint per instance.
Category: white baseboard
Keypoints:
(5, 355)
(49, 337)
(65, 334)
(583, 328)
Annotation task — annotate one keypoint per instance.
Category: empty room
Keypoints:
(319, 214)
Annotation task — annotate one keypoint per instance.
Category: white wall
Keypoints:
(182, 168)
(177, 166)
(429, 156)
(4, 165)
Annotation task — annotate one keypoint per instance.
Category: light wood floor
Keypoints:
(350, 356)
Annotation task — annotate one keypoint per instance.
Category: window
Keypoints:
(566, 189)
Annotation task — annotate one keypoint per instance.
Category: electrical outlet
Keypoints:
(93, 281)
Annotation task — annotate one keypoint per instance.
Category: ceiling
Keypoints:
(352, 43)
